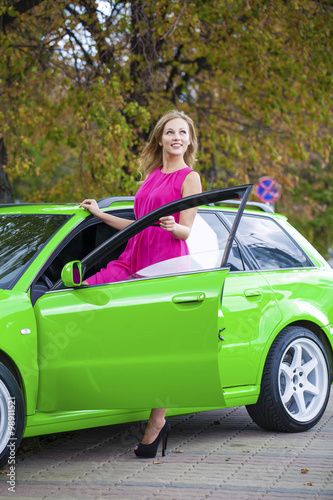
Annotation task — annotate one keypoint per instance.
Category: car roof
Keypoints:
(115, 202)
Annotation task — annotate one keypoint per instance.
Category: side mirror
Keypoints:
(71, 274)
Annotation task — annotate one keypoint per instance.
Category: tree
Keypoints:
(6, 17)
(84, 81)
(312, 202)
(6, 194)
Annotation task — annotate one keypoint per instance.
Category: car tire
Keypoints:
(12, 417)
(295, 385)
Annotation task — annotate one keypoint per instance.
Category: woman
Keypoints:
(166, 162)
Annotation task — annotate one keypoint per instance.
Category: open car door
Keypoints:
(139, 343)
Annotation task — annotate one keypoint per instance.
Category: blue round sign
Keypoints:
(267, 190)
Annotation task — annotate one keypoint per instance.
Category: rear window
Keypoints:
(21, 238)
(271, 246)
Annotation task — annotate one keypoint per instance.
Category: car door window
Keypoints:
(222, 234)
(206, 244)
(271, 246)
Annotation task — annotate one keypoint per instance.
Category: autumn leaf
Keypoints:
(257, 83)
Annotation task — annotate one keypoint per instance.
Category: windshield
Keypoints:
(21, 237)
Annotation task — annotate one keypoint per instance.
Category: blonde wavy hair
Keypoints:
(152, 154)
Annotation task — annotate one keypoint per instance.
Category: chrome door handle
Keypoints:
(188, 297)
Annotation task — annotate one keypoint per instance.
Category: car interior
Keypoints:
(80, 243)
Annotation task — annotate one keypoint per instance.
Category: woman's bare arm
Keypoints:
(181, 230)
(113, 221)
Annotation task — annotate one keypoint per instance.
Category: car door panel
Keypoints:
(132, 344)
(250, 313)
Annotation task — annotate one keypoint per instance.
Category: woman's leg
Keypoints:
(155, 423)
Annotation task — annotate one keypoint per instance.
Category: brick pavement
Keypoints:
(211, 455)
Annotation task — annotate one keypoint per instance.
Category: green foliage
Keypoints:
(81, 87)
(311, 207)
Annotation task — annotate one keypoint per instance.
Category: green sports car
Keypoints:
(245, 319)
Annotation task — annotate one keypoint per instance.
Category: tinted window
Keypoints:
(269, 243)
(21, 237)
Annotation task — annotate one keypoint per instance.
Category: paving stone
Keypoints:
(230, 459)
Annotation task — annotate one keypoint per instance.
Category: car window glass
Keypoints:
(21, 237)
(269, 243)
(209, 234)
(206, 244)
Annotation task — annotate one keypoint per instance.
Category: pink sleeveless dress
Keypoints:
(153, 244)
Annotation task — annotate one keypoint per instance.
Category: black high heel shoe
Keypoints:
(150, 450)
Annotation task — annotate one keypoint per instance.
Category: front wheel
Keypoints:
(295, 386)
(12, 415)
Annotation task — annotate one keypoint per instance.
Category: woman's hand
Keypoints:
(91, 205)
(112, 220)
(168, 223)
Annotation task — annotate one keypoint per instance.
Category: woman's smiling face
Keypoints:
(175, 138)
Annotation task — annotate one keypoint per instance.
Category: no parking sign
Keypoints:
(267, 190)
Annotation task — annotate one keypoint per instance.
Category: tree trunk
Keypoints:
(6, 193)
(21, 7)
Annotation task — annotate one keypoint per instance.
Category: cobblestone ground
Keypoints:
(211, 455)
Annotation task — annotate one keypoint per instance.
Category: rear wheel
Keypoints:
(295, 385)
(12, 415)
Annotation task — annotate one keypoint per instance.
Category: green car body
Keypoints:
(188, 340)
